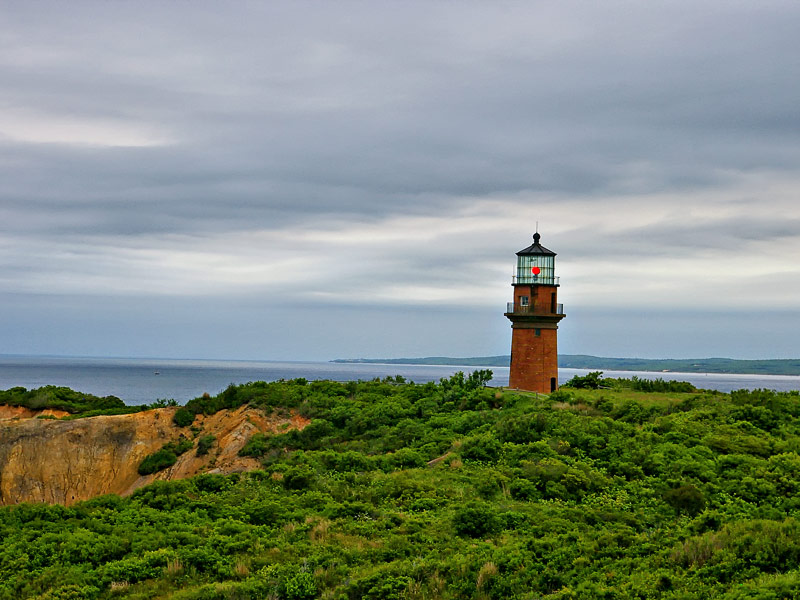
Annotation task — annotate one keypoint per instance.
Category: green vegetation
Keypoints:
(204, 444)
(183, 417)
(166, 456)
(60, 398)
(594, 381)
(455, 490)
(77, 404)
(590, 381)
(584, 361)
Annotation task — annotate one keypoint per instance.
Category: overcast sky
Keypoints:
(302, 180)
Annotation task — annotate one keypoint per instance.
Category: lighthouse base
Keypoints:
(534, 357)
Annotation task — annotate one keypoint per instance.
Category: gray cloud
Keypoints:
(139, 144)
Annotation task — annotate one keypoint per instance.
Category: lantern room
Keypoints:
(536, 265)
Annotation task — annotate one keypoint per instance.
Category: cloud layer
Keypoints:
(390, 158)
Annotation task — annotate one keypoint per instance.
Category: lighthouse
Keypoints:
(534, 315)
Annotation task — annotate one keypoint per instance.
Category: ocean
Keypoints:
(144, 380)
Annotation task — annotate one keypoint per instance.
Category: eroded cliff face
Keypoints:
(53, 461)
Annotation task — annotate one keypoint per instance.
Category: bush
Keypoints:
(180, 446)
(267, 512)
(139, 568)
(561, 396)
(406, 458)
(256, 446)
(164, 458)
(523, 489)
(590, 382)
(652, 385)
(297, 478)
(162, 403)
(475, 520)
(212, 482)
(484, 448)
(72, 592)
(475, 380)
(183, 417)
(686, 498)
(289, 582)
(311, 435)
(301, 587)
(204, 444)
(380, 586)
(158, 461)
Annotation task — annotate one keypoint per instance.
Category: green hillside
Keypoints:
(685, 365)
(450, 490)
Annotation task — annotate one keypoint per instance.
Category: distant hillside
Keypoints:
(583, 361)
(475, 361)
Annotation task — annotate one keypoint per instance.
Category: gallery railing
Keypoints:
(539, 310)
(534, 280)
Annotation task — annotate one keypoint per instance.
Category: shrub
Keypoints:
(654, 385)
(380, 586)
(183, 417)
(162, 403)
(72, 592)
(212, 482)
(289, 582)
(591, 381)
(297, 478)
(631, 412)
(511, 520)
(479, 378)
(139, 568)
(686, 498)
(164, 458)
(485, 448)
(406, 458)
(256, 446)
(267, 512)
(475, 520)
(561, 396)
(158, 461)
(180, 446)
(301, 587)
(523, 489)
(525, 428)
(204, 444)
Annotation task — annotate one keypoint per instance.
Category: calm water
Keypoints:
(136, 381)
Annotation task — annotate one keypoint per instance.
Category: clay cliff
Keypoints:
(55, 461)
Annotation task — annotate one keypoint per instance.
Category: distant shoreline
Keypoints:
(582, 361)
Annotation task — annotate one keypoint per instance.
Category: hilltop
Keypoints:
(385, 490)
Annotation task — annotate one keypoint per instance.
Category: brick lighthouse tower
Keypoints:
(534, 316)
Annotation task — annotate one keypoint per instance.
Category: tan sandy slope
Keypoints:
(47, 460)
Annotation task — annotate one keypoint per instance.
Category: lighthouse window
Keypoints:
(537, 332)
(523, 301)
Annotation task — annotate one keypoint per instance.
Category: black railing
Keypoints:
(534, 280)
(528, 309)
